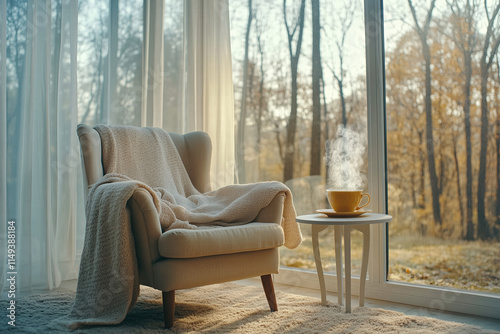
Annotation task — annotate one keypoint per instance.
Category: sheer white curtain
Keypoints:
(121, 80)
(152, 64)
(192, 88)
(40, 144)
(208, 96)
(187, 87)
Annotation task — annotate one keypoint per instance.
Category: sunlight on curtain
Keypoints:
(43, 165)
(152, 64)
(209, 103)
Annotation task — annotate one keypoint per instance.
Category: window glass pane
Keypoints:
(266, 98)
(109, 74)
(443, 144)
(173, 38)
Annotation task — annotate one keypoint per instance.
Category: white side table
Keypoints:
(343, 227)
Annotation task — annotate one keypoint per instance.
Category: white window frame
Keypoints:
(377, 286)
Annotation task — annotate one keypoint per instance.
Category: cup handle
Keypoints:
(362, 206)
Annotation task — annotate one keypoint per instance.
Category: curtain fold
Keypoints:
(43, 146)
(33, 211)
(152, 64)
(65, 163)
(208, 96)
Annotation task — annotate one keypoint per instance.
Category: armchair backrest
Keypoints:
(195, 149)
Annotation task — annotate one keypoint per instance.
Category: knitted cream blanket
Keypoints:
(147, 158)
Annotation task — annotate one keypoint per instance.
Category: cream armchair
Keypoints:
(182, 258)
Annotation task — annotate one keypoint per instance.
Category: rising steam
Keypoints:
(345, 159)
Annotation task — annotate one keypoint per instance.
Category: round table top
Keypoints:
(367, 218)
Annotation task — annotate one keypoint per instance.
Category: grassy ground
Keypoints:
(452, 263)
(430, 261)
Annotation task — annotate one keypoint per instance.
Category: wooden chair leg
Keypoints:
(267, 283)
(168, 308)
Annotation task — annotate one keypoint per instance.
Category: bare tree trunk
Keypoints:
(430, 139)
(413, 185)
(497, 222)
(326, 122)
(291, 130)
(468, 147)
(345, 22)
(108, 93)
(261, 100)
(294, 61)
(482, 223)
(423, 33)
(113, 58)
(97, 81)
(463, 225)
(497, 226)
(340, 82)
(243, 113)
(421, 197)
(465, 40)
(483, 228)
(441, 175)
(342, 102)
(315, 166)
(251, 110)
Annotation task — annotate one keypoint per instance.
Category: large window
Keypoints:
(299, 78)
(432, 159)
(443, 157)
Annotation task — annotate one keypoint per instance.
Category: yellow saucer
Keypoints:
(333, 214)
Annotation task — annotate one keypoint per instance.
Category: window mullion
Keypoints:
(375, 82)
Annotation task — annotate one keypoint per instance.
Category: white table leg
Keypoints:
(347, 250)
(317, 259)
(365, 229)
(338, 261)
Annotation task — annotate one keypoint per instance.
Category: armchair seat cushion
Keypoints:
(185, 243)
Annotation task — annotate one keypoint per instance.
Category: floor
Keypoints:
(486, 323)
(483, 322)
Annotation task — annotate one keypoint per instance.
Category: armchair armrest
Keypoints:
(147, 231)
(273, 213)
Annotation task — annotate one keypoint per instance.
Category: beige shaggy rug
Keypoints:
(230, 308)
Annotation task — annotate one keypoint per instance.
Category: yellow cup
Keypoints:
(346, 200)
